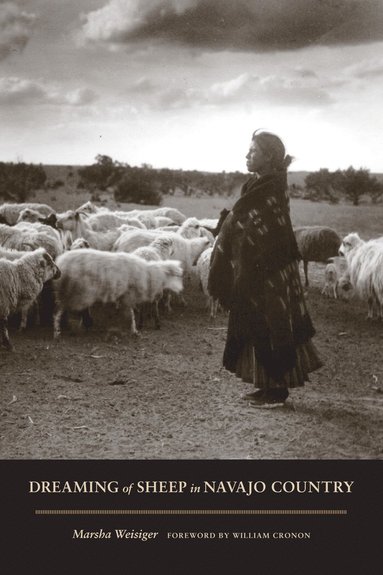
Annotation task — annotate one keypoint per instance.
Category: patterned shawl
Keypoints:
(254, 274)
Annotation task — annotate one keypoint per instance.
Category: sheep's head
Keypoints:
(173, 276)
(28, 215)
(88, 208)
(68, 220)
(165, 246)
(50, 269)
(344, 287)
(79, 243)
(191, 228)
(349, 242)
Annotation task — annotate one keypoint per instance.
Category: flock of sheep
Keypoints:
(135, 259)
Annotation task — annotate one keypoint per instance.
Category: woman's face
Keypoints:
(256, 159)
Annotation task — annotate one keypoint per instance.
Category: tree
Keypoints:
(140, 186)
(376, 190)
(356, 183)
(102, 173)
(322, 185)
(18, 180)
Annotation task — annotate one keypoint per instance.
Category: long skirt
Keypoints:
(251, 371)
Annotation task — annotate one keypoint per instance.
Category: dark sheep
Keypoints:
(316, 244)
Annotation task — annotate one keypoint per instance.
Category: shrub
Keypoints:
(138, 185)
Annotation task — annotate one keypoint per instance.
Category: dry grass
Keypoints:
(366, 219)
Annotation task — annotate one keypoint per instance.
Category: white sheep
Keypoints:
(10, 213)
(365, 265)
(203, 268)
(21, 281)
(335, 272)
(316, 244)
(190, 228)
(161, 248)
(172, 213)
(29, 215)
(105, 221)
(146, 217)
(175, 215)
(52, 240)
(75, 222)
(91, 208)
(89, 276)
(12, 255)
(185, 250)
(19, 239)
(209, 223)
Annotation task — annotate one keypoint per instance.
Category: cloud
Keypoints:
(369, 70)
(15, 29)
(245, 90)
(286, 91)
(20, 91)
(247, 25)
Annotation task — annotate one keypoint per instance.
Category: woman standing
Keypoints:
(254, 274)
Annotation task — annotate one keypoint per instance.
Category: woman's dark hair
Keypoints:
(273, 146)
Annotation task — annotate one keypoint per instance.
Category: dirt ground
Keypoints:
(163, 395)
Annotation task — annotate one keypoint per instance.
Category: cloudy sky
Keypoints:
(183, 83)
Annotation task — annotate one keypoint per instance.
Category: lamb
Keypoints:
(316, 244)
(74, 222)
(365, 263)
(336, 271)
(21, 281)
(89, 276)
(10, 212)
(203, 268)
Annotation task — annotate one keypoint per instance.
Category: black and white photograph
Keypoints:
(191, 279)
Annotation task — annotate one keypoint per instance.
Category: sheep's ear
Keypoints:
(51, 220)
(45, 260)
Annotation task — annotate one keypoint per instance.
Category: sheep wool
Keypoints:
(21, 281)
(316, 244)
(89, 276)
(203, 268)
